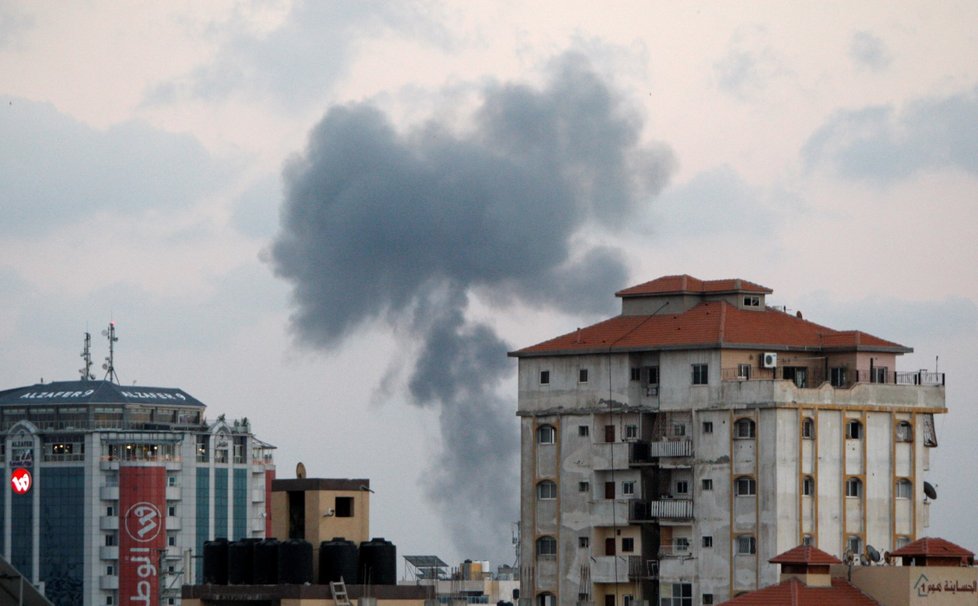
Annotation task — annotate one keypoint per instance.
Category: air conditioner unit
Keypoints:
(652, 390)
(770, 360)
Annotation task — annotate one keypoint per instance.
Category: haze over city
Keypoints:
(335, 219)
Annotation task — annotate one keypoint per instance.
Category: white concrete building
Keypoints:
(669, 452)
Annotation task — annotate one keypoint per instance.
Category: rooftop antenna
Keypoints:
(86, 354)
(109, 365)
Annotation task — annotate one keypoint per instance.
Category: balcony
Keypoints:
(109, 493)
(664, 509)
(173, 523)
(173, 493)
(644, 453)
(108, 552)
(841, 378)
(108, 523)
(108, 582)
(258, 495)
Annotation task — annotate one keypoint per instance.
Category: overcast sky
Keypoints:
(335, 218)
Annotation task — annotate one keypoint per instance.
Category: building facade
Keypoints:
(111, 489)
(670, 451)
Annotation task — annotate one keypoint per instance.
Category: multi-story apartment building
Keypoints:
(110, 486)
(669, 452)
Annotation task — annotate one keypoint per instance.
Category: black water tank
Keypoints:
(338, 559)
(216, 562)
(378, 562)
(241, 555)
(265, 569)
(295, 562)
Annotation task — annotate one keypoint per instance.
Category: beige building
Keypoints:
(669, 452)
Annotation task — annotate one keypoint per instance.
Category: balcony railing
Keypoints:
(670, 509)
(649, 452)
(814, 377)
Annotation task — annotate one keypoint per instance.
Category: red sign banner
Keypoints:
(142, 533)
(20, 481)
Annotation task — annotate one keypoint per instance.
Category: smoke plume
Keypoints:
(405, 227)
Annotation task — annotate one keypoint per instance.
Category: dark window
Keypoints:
(546, 547)
(627, 545)
(854, 487)
(707, 426)
(582, 375)
(743, 371)
(609, 433)
(808, 486)
(745, 486)
(609, 546)
(652, 374)
(583, 486)
(583, 430)
(636, 374)
(744, 429)
(854, 429)
(904, 432)
(746, 544)
(707, 541)
(544, 377)
(583, 541)
(707, 599)
(808, 428)
(344, 507)
(837, 376)
(701, 374)
(707, 484)
(546, 434)
(546, 490)
(609, 490)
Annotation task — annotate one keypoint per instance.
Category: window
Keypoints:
(636, 374)
(837, 377)
(682, 544)
(679, 594)
(110, 570)
(752, 301)
(628, 488)
(707, 484)
(544, 377)
(682, 487)
(808, 486)
(110, 511)
(707, 426)
(171, 480)
(904, 432)
(807, 540)
(707, 599)
(344, 507)
(904, 489)
(854, 429)
(902, 541)
(171, 540)
(583, 431)
(546, 599)
(701, 374)
(878, 374)
(171, 511)
(583, 542)
(854, 487)
(652, 374)
(678, 430)
(110, 540)
(582, 375)
(746, 544)
(745, 486)
(808, 428)
(546, 547)
(109, 601)
(631, 432)
(744, 429)
(627, 545)
(743, 371)
(546, 490)
(707, 542)
(546, 434)
(583, 487)
(854, 544)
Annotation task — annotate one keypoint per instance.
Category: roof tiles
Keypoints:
(933, 547)
(688, 284)
(793, 592)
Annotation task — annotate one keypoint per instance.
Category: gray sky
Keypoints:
(296, 211)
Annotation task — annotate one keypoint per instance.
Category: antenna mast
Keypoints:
(109, 365)
(86, 354)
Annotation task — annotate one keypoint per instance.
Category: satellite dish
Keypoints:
(300, 471)
(863, 560)
(872, 553)
(930, 491)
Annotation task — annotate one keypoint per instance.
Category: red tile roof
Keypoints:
(793, 592)
(805, 554)
(688, 284)
(933, 547)
(710, 324)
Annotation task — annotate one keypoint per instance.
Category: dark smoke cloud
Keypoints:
(405, 227)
